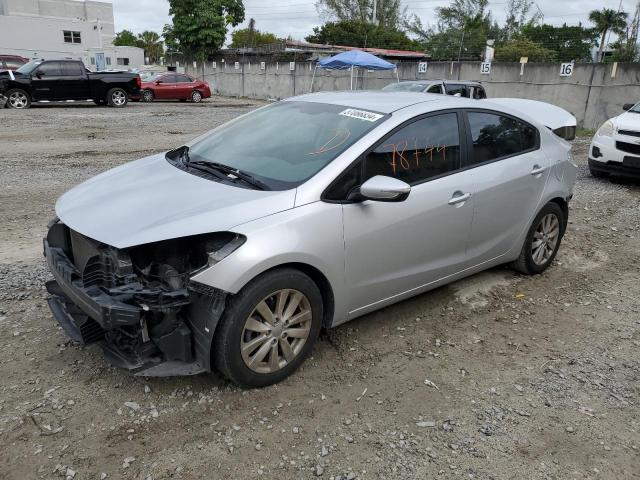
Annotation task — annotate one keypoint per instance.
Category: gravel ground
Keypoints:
(498, 376)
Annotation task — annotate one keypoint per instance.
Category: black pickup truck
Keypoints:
(58, 80)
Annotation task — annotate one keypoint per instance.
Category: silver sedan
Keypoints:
(230, 253)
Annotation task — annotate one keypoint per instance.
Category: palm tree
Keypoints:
(607, 20)
(152, 45)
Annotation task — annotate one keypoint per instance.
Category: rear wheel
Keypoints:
(196, 96)
(542, 242)
(268, 328)
(18, 99)
(117, 98)
(147, 96)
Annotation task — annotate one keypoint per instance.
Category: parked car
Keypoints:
(233, 250)
(174, 86)
(11, 62)
(459, 88)
(615, 148)
(65, 80)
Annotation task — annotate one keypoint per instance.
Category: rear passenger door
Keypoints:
(184, 86)
(73, 81)
(456, 89)
(509, 174)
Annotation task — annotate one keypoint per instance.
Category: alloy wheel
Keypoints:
(118, 98)
(545, 239)
(18, 100)
(147, 95)
(196, 97)
(276, 331)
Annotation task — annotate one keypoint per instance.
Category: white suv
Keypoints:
(615, 148)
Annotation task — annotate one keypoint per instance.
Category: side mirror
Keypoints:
(385, 189)
(158, 82)
(39, 74)
(627, 106)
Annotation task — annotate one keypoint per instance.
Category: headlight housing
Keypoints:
(606, 130)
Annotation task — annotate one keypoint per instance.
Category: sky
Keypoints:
(298, 17)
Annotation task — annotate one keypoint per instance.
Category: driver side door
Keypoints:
(165, 87)
(45, 81)
(395, 250)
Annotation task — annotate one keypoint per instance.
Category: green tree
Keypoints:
(361, 34)
(152, 45)
(388, 13)
(199, 27)
(250, 37)
(514, 49)
(607, 20)
(569, 42)
(519, 16)
(125, 38)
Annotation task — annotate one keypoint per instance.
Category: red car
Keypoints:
(12, 62)
(174, 86)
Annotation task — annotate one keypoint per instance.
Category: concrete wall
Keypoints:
(593, 93)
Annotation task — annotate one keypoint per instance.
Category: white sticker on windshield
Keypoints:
(361, 115)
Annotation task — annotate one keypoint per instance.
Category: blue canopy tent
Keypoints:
(352, 59)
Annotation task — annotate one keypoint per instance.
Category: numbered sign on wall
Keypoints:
(566, 69)
(422, 67)
(292, 66)
(263, 65)
(214, 65)
(485, 68)
(236, 65)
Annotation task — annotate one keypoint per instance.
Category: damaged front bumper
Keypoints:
(149, 327)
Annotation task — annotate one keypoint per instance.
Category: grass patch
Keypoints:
(585, 132)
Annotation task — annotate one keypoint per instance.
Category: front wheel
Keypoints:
(542, 242)
(196, 96)
(117, 98)
(268, 328)
(18, 99)
(147, 96)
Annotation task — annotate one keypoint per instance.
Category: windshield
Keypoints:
(285, 144)
(635, 108)
(27, 68)
(405, 87)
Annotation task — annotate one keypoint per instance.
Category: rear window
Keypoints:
(406, 87)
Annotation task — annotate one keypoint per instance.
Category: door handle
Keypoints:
(459, 197)
(537, 170)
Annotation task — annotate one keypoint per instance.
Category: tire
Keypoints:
(148, 96)
(196, 96)
(528, 262)
(117, 98)
(18, 99)
(242, 324)
(597, 173)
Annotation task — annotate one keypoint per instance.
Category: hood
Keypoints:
(627, 121)
(151, 200)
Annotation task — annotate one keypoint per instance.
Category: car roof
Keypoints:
(386, 101)
(438, 80)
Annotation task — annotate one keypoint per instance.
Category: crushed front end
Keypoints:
(138, 303)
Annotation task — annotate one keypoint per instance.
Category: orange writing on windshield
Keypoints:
(338, 139)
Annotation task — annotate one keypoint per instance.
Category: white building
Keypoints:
(53, 29)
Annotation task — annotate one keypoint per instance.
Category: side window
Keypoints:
(478, 93)
(495, 136)
(456, 89)
(426, 148)
(70, 69)
(183, 79)
(49, 69)
(435, 89)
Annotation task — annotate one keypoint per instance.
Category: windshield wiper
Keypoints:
(229, 172)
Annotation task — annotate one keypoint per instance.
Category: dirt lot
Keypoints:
(531, 378)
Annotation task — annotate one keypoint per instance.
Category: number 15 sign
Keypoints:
(485, 68)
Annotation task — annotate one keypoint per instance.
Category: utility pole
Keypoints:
(374, 18)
